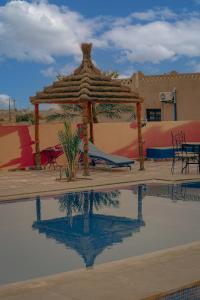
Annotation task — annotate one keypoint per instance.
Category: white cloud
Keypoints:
(194, 65)
(197, 68)
(53, 71)
(4, 100)
(156, 41)
(158, 13)
(152, 14)
(49, 72)
(40, 31)
(127, 74)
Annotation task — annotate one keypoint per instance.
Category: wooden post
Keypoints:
(91, 194)
(91, 122)
(38, 208)
(85, 141)
(140, 142)
(37, 142)
(140, 190)
(86, 218)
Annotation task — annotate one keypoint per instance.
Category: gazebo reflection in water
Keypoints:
(86, 232)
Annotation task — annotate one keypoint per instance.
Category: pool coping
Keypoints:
(127, 265)
(38, 283)
(53, 192)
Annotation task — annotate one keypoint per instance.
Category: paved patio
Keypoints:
(23, 184)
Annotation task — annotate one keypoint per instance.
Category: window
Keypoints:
(153, 114)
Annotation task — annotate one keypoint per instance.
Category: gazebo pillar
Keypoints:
(140, 190)
(140, 142)
(91, 122)
(38, 208)
(85, 141)
(37, 141)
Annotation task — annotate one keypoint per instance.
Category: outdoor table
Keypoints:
(193, 147)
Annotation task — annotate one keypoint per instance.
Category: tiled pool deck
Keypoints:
(23, 184)
(132, 278)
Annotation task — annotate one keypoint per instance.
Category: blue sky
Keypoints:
(39, 39)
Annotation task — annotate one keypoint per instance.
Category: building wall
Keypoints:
(187, 93)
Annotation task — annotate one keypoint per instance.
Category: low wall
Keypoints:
(17, 141)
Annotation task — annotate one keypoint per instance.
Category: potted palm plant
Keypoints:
(70, 141)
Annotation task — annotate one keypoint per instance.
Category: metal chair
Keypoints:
(181, 153)
(191, 157)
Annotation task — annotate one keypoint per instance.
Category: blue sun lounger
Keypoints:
(113, 161)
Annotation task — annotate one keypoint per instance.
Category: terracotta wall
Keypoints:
(187, 97)
(187, 93)
(17, 141)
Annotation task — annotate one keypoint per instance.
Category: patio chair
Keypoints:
(113, 161)
(49, 156)
(180, 153)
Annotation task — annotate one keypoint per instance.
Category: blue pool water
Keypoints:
(48, 235)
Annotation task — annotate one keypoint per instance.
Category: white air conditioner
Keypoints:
(166, 97)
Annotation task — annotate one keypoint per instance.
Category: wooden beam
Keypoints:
(85, 141)
(106, 100)
(91, 122)
(37, 141)
(140, 142)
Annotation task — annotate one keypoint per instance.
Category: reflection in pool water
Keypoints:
(49, 235)
(87, 232)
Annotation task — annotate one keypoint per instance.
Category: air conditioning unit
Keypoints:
(167, 97)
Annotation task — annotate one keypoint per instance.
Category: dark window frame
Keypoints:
(153, 114)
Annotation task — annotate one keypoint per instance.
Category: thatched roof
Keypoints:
(86, 84)
(103, 232)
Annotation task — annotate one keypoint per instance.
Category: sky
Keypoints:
(40, 39)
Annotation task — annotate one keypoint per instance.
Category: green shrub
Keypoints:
(26, 117)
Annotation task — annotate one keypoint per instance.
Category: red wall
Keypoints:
(17, 141)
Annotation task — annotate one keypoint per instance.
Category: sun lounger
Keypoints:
(114, 161)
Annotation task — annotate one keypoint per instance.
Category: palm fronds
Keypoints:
(77, 202)
(68, 112)
(70, 143)
(115, 111)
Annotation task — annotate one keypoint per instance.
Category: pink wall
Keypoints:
(17, 141)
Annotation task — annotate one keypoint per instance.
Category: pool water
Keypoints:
(49, 235)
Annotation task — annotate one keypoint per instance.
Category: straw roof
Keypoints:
(103, 232)
(86, 84)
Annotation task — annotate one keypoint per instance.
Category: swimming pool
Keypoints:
(49, 235)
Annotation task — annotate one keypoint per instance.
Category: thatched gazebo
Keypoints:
(86, 86)
(103, 231)
(88, 231)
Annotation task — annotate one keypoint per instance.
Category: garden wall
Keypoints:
(17, 141)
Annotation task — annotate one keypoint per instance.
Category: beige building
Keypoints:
(181, 89)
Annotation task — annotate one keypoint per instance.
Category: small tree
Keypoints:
(70, 142)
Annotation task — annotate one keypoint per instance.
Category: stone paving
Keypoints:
(128, 279)
(23, 184)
